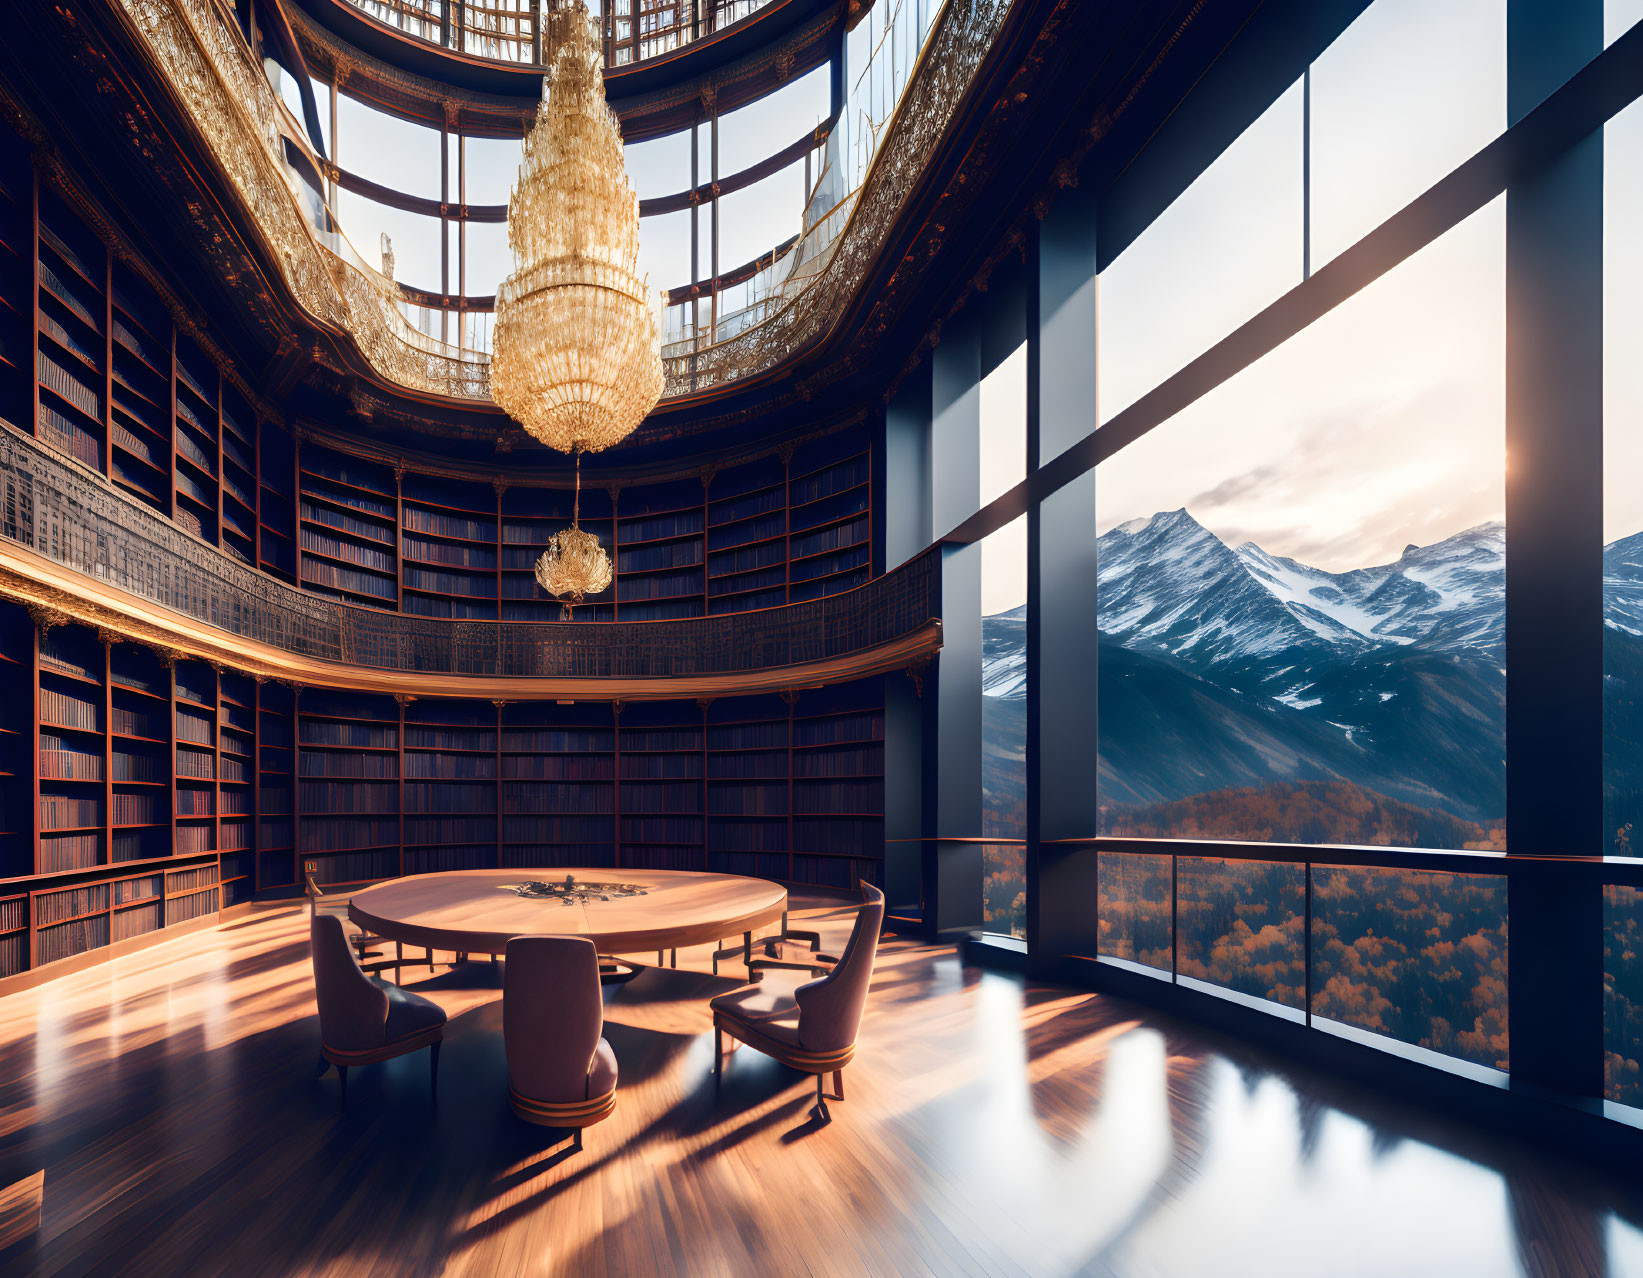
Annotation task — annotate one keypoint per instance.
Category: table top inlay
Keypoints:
(620, 911)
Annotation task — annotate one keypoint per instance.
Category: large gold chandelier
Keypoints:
(576, 358)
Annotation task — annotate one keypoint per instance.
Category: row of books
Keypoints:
(745, 800)
(275, 834)
(546, 855)
(233, 836)
(129, 890)
(811, 570)
(645, 797)
(320, 573)
(679, 554)
(134, 766)
(562, 829)
(840, 729)
(60, 763)
(321, 834)
(445, 796)
(422, 737)
(343, 522)
(69, 710)
(144, 809)
(768, 579)
(67, 812)
(747, 736)
(234, 770)
(670, 587)
(195, 727)
(735, 765)
(54, 907)
(747, 836)
(659, 767)
(837, 537)
(196, 765)
(661, 829)
(69, 852)
(182, 909)
(838, 478)
(559, 740)
(764, 528)
(138, 722)
(729, 510)
(823, 797)
(236, 802)
(357, 796)
(444, 859)
(662, 739)
(274, 799)
(356, 867)
(551, 799)
(439, 523)
(363, 556)
(360, 767)
(427, 830)
(190, 839)
(442, 552)
(458, 767)
(65, 940)
(654, 528)
(189, 880)
(14, 954)
(769, 554)
(374, 736)
(14, 914)
(138, 921)
(450, 583)
(842, 761)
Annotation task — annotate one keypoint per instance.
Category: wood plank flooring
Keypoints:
(992, 1126)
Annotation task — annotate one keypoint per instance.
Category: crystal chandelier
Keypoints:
(576, 357)
(574, 565)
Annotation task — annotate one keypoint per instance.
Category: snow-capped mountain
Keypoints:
(1623, 584)
(1167, 584)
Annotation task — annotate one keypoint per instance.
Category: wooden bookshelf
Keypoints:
(550, 753)
(276, 788)
(660, 771)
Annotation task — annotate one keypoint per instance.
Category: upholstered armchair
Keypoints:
(813, 1029)
(362, 1018)
(561, 1072)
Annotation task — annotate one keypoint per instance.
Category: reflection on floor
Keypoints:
(992, 1127)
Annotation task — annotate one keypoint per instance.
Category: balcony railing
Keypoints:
(77, 521)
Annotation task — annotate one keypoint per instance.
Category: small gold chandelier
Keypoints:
(576, 350)
(574, 565)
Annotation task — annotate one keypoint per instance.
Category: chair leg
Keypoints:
(342, 1073)
(838, 1084)
(675, 955)
(576, 1143)
(747, 950)
(399, 962)
(819, 1111)
(433, 1071)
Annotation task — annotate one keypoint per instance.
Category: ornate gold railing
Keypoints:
(198, 48)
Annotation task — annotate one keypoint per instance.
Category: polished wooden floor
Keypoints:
(991, 1127)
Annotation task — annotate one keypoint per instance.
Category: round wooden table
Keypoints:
(620, 911)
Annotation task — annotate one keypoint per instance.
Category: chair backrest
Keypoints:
(353, 1011)
(553, 1012)
(830, 1009)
